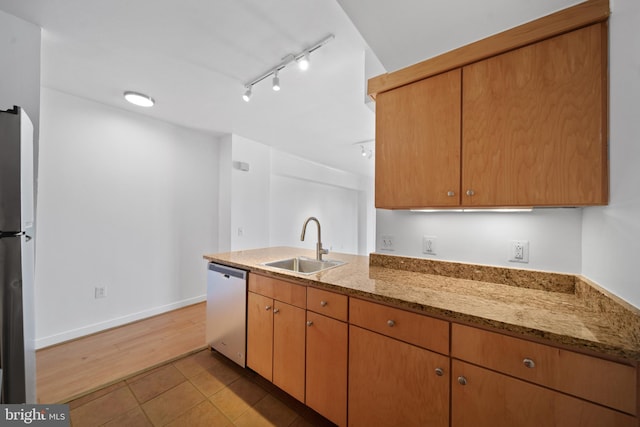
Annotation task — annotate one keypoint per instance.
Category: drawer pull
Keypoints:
(391, 323)
(439, 372)
(309, 322)
(451, 193)
(268, 308)
(529, 363)
(470, 193)
(323, 303)
(276, 310)
(462, 380)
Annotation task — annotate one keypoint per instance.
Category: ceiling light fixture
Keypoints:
(301, 58)
(247, 94)
(139, 99)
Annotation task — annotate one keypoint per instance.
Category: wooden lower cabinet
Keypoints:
(326, 380)
(260, 334)
(276, 342)
(392, 383)
(484, 398)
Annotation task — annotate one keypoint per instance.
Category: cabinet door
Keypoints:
(260, 334)
(327, 341)
(392, 383)
(288, 348)
(418, 144)
(534, 124)
(489, 399)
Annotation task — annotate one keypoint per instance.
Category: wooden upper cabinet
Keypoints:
(534, 124)
(418, 144)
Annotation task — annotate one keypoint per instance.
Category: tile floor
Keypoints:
(202, 389)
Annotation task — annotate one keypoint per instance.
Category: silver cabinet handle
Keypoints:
(470, 192)
(323, 303)
(439, 372)
(529, 363)
(451, 193)
(462, 380)
(268, 308)
(276, 310)
(391, 323)
(309, 322)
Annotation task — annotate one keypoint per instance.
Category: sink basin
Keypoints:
(303, 265)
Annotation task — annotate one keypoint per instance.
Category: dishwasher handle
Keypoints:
(227, 271)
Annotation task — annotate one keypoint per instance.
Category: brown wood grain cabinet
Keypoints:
(534, 124)
(418, 144)
(392, 380)
(523, 128)
(327, 350)
(499, 380)
(276, 332)
(484, 398)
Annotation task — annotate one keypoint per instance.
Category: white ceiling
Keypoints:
(194, 57)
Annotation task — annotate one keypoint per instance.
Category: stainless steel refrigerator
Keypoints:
(17, 312)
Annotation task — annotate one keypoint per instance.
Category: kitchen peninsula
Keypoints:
(556, 338)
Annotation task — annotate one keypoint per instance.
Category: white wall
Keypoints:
(125, 202)
(249, 195)
(20, 67)
(611, 234)
(301, 188)
(554, 236)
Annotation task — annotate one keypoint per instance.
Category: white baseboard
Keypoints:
(119, 321)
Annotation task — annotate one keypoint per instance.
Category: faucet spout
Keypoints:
(319, 250)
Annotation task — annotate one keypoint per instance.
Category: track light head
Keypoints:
(247, 94)
(276, 81)
(363, 152)
(303, 61)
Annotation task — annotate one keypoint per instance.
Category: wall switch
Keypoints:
(429, 245)
(519, 251)
(100, 292)
(387, 243)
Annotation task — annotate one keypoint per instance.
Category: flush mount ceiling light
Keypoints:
(301, 58)
(247, 94)
(139, 99)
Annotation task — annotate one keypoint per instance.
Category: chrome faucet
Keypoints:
(319, 250)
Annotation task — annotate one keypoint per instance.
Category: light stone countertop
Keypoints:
(560, 309)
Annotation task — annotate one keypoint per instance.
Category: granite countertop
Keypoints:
(561, 309)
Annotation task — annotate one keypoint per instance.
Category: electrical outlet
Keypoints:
(519, 251)
(429, 245)
(100, 292)
(387, 243)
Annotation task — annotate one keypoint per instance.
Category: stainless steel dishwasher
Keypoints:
(227, 311)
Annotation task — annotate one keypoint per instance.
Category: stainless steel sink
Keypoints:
(303, 265)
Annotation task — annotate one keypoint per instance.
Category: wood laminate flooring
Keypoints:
(75, 368)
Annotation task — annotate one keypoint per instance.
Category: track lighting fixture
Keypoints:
(303, 61)
(247, 94)
(301, 58)
(364, 153)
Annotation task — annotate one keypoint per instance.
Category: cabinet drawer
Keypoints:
(328, 303)
(278, 289)
(602, 381)
(417, 329)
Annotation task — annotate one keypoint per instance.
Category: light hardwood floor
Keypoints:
(69, 370)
